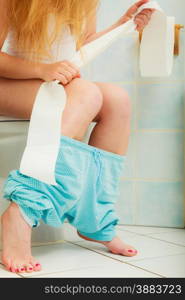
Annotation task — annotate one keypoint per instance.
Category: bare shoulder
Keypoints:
(3, 21)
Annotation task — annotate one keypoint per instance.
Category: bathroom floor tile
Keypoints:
(146, 230)
(64, 257)
(168, 266)
(147, 247)
(176, 237)
(111, 269)
(6, 274)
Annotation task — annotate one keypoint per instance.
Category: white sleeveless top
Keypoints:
(64, 47)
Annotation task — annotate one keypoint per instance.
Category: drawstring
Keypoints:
(98, 161)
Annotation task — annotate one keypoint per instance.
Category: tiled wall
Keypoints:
(152, 184)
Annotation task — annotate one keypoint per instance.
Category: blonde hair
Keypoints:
(28, 20)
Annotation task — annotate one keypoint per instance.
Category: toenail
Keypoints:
(10, 269)
(130, 250)
(17, 270)
(22, 269)
(37, 265)
(30, 269)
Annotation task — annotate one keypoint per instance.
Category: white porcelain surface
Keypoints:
(112, 269)
(176, 237)
(168, 266)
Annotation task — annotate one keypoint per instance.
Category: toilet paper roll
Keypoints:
(40, 154)
(157, 46)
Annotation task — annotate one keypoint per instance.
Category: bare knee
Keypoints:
(117, 104)
(88, 96)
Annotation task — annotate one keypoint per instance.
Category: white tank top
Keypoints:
(63, 48)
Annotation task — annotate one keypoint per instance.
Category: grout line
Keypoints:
(153, 81)
(158, 180)
(47, 243)
(130, 264)
(158, 130)
(156, 257)
(13, 120)
(141, 234)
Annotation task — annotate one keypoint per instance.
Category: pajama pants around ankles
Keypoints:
(87, 188)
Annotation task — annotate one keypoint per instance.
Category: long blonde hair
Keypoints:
(29, 21)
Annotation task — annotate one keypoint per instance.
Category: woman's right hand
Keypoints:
(64, 71)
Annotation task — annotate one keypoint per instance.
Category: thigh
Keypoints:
(17, 96)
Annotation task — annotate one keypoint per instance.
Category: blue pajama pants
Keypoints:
(87, 188)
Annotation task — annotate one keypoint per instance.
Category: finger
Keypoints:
(73, 66)
(140, 28)
(61, 78)
(67, 75)
(141, 19)
(133, 9)
(146, 12)
(71, 70)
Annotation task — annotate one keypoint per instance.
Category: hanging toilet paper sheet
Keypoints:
(43, 141)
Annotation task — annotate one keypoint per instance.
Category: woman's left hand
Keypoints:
(141, 19)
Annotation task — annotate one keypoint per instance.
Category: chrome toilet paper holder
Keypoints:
(178, 27)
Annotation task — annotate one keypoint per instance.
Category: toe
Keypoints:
(17, 269)
(35, 264)
(12, 269)
(21, 269)
(37, 267)
(29, 268)
(130, 252)
(7, 264)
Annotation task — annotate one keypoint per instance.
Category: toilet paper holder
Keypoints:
(178, 27)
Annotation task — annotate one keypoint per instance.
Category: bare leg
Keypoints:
(113, 130)
(83, 96)
(112, 134)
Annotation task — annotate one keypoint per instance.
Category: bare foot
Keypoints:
(116, 246)
(16, 236)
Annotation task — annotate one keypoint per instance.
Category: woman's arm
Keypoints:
(18, 68)
(141, 21)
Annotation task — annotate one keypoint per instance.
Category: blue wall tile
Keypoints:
(160, 106)
(174, 8)
(125, 203)
(117, 63)
(160, 204)
(160, 155)
(110, 11)
(129, 168)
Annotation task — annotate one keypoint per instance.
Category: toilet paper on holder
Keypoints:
(157, 46)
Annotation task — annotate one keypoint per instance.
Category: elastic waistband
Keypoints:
(65, 140)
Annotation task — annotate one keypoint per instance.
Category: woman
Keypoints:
(87, 174)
